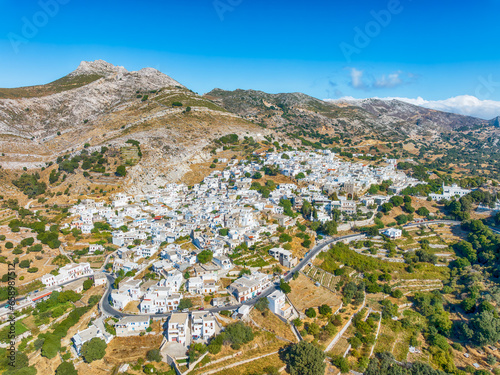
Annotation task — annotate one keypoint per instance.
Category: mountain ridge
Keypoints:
(100, 104)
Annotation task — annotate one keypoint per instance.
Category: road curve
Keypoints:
(111, 311)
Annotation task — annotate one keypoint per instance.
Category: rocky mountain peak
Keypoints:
(99, 67)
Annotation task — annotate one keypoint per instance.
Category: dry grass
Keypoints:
(263, 343)
(305, 294)
(132, 307)
(129, 349)
(272, 323)
(255, 367)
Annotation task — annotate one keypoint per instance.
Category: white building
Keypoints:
(67, 273)
(131, 325)
(88, 334)
(159, 302)
(450, 192)
(202, 325)
(249, 286)
(99, 279)
(393, 233)
(120, 300)
(278, 304)
(285, 257)
(177, 328)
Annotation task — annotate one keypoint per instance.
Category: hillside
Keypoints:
(381, 118)
(173, 129)
(412, 114)
(100, 104)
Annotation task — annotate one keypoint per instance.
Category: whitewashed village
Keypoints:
(182, 255)
(216, 217)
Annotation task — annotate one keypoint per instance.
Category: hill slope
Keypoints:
(359, 117)
(108, 105)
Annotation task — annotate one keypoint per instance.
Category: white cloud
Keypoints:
(463, 104)
(360, 81)
(357, 79)
(392, 80)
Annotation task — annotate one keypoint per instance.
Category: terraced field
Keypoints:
(326, 279)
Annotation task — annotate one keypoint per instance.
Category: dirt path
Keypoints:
(239, 363)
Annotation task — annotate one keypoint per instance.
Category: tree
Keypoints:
(313, 329)
(154, 355)
(466, 250)
(93, 350)
(51, 347)
(284, 237)
(205, 256)
(325, 310)
(121, 171)
(66, 368)
(396, 200)
(386, 207)
(270, 370)
(262, 304)
(491, 359)
(422, 211)
(87, 284)
(329, 227)
(342, 363)
(373, 189)
(304, 359)
(238, 333)
(285, 287)
(310, 312)
(185, 303)
(486, 327)
(396, 293)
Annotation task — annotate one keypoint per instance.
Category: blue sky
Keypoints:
(434, 50)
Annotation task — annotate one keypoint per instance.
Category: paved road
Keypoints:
(108, 309)
(21, 302)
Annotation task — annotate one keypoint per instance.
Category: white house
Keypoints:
(202, 325)
(99, 279)
(249, 286)
(450, 192)
(285, 257)
(177, 327)
(278, 304)
(88, 334)
(393, 233)
(131, 325)
(120, 300)
(67, 273)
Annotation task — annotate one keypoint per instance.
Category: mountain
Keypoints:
(412, 114)
(495, 122)
(356, 117)
(102, 104)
